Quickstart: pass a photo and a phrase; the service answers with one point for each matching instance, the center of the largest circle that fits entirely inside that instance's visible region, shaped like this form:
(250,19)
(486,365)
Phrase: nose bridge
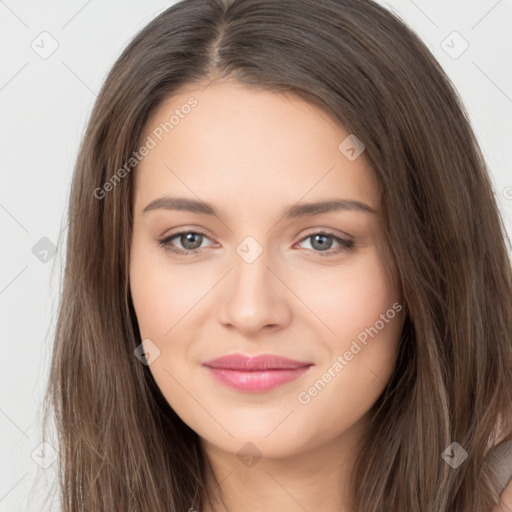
(254,297)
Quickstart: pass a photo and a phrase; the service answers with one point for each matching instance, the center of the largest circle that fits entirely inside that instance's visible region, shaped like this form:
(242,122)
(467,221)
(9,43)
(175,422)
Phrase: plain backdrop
(54,57)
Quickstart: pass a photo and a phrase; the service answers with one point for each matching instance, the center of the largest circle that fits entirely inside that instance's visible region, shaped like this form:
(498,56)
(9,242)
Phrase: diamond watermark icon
(147,352)
(44,250)
(454,45)
(45,45)
(249,249)
(249,455)
(351,147)
(454,455)
(44,455)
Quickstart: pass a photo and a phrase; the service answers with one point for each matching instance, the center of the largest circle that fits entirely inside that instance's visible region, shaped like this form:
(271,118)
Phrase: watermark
(147,352)
(249,455)
(249,249)
(45,45)
(454,45)
(304,397)
(44,250)
(351,147)
(454,455)
(44,455)
(150,143)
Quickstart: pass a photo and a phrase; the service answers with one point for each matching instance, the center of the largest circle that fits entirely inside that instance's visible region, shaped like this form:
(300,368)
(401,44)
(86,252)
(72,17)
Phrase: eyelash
(346,245)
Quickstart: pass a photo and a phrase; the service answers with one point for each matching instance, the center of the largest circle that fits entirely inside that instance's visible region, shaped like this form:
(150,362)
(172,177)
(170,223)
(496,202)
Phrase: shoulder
(500,460)
(505,500)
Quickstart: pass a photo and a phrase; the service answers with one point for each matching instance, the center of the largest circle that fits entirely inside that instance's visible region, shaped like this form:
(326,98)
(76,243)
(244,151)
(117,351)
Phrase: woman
(337,335)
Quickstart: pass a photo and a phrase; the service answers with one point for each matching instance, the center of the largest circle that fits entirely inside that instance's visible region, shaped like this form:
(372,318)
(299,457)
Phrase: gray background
(45,103)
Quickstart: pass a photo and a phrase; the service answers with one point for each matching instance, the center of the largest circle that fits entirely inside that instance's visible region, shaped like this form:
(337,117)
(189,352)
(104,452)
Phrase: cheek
(161,297)
(350,298)
(364,317)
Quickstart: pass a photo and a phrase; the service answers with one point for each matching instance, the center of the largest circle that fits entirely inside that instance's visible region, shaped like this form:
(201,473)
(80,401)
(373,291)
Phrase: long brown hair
(121,445)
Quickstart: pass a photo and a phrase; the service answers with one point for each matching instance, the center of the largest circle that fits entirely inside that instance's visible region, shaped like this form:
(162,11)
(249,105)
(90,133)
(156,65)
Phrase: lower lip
(255,381)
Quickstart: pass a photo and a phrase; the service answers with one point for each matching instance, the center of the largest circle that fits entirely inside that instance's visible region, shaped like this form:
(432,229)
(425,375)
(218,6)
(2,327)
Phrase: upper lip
(242,362)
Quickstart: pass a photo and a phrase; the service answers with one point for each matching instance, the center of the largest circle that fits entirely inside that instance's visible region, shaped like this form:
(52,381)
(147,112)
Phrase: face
(240,265)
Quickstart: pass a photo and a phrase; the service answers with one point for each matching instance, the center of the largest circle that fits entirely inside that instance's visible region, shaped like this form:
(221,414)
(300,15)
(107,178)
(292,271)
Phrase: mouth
(256,374)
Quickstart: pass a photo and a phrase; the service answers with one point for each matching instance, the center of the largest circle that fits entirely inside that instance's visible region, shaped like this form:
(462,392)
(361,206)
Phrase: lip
(255,374)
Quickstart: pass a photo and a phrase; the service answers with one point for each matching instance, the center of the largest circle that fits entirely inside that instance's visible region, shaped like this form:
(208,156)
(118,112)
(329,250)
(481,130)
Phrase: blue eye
(319,237)
(185,237)
(191,242)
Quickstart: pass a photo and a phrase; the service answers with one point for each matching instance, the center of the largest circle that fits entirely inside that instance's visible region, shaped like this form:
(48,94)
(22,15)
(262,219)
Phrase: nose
(254,297)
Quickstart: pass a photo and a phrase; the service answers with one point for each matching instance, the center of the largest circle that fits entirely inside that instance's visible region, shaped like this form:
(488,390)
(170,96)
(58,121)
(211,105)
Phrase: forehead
(249,147)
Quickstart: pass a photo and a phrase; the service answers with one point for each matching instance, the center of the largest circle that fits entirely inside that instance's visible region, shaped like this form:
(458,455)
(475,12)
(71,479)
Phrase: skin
(252,153)
(505,504)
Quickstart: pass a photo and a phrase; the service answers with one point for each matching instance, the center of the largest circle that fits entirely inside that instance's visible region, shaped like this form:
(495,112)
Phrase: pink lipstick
(255,374)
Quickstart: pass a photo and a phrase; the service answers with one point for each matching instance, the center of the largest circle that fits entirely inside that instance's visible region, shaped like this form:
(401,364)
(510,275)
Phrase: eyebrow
(294,211)
(330,205)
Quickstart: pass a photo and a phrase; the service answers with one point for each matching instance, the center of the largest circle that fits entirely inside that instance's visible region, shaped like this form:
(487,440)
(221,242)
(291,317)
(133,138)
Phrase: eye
(323,241)
(191,242)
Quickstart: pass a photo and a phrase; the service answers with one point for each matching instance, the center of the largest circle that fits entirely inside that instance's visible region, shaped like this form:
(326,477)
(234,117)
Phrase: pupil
(323,245)
(189,238)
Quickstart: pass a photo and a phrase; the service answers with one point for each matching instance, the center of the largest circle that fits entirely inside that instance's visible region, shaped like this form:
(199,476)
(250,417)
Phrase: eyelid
(309,232)
(346,244)
(327,231)
(184,230)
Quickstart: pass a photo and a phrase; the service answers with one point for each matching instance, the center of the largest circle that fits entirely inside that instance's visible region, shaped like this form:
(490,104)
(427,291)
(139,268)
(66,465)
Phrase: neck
(316,479)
